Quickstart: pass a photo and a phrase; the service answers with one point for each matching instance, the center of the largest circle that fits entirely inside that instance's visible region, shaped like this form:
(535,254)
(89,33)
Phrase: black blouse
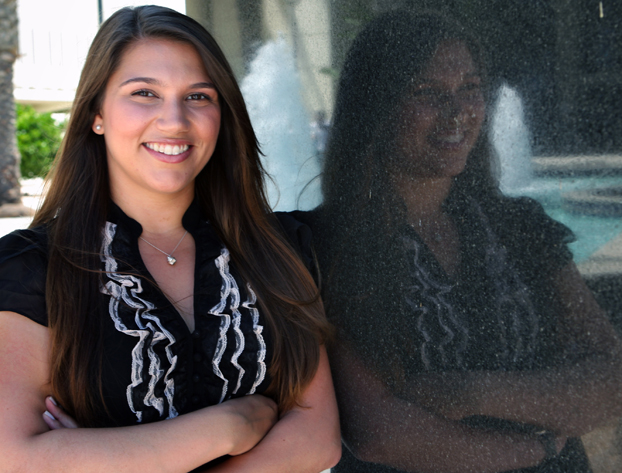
(153,367)
(497,313)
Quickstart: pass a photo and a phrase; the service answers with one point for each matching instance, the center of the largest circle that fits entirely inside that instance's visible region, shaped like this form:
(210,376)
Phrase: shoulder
(24,248)
(23,270)
(315,220)
(523,225)
(528,215)
(517,208)
(23,241)
(299,235)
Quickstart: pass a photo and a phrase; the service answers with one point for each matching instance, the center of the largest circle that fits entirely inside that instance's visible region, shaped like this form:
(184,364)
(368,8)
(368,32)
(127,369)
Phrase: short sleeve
(536,239)
(23,270)
(300,237)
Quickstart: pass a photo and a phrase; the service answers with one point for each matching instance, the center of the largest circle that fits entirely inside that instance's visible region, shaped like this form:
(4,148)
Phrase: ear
(98,125)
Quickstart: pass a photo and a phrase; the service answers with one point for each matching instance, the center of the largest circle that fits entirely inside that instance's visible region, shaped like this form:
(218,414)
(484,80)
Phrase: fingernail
(53,400)
(47,413)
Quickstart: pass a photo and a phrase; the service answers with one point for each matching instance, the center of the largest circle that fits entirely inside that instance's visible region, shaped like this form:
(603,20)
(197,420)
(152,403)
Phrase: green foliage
(38,139)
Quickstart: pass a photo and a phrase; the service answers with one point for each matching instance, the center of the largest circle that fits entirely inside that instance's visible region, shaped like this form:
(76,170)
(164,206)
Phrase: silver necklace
(437,237)
(169,256)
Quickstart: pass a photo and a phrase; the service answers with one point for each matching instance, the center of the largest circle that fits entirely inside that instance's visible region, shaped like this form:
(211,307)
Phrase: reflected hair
(390,53)
(380,67)
(230,191)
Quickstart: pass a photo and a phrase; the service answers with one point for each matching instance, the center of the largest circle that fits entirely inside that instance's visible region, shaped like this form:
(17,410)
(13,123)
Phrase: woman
(155,294)
(467,339)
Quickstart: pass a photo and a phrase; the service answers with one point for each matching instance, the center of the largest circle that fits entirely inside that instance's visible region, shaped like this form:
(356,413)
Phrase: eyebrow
(150,80)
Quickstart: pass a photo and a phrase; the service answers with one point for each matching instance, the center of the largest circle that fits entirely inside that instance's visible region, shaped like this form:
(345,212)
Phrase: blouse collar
(192,219)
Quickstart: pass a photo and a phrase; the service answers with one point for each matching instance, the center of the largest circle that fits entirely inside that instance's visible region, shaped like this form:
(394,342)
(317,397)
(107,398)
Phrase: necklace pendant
(171,260)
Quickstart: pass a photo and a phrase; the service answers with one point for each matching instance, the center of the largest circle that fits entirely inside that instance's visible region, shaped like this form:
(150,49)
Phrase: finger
(59,414)
(51,421)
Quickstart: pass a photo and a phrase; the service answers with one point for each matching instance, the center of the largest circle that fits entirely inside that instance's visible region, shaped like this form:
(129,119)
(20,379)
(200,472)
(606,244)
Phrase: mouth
(168,149)
(450,139)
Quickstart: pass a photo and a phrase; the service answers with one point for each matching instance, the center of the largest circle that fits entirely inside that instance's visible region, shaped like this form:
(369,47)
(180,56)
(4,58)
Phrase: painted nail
(47,413)
(53,401)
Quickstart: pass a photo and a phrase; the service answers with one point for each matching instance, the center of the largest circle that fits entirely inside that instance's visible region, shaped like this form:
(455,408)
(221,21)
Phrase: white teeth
(451,138)
(171,150)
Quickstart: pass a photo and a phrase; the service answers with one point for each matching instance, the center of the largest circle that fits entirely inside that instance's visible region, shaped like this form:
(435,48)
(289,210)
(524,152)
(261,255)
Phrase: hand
(256,414)
(55,417)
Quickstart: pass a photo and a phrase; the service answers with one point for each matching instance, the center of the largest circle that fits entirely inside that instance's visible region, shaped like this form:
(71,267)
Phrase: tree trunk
(10,193)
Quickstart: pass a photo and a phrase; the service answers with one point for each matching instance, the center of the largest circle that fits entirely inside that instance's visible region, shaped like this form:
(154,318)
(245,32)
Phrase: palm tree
(10,193)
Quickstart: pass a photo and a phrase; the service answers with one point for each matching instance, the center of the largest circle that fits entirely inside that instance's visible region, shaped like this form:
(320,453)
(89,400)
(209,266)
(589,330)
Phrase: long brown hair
(362,215)
(230,191)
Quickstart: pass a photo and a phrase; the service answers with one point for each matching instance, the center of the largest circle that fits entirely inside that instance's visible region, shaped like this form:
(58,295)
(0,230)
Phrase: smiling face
(160,119)
(441,118)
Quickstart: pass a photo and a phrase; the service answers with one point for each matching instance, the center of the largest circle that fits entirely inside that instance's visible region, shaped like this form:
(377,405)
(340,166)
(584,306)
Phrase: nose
(173,117)
(455,108)
(452,105)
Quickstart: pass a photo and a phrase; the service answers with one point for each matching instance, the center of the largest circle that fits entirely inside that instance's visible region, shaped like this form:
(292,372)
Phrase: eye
(429,96)
(426,92)
(143,93)
(471,91)
(200,96)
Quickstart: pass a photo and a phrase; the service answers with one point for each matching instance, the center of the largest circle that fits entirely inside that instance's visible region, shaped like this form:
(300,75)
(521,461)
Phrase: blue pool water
(591,232)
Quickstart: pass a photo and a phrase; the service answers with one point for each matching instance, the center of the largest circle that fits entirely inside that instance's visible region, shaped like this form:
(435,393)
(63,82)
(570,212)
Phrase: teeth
(167,149)
(451,138)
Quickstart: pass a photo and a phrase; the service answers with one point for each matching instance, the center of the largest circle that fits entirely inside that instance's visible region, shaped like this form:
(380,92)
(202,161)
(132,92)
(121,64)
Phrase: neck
(159,215)
(423,197)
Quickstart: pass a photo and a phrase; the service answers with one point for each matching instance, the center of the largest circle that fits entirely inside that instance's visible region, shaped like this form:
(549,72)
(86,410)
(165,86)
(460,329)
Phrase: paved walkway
(606,261)
(31,195)
(7,225)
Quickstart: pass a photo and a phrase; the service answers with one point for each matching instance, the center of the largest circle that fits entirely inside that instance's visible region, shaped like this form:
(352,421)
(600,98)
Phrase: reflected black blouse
(497,314)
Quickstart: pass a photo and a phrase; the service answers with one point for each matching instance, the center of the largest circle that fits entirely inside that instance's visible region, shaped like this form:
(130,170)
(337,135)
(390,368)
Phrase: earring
(98,127)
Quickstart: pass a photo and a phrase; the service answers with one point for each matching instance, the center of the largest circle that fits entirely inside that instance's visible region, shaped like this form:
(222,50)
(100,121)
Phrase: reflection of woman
(170,287)
(468,340)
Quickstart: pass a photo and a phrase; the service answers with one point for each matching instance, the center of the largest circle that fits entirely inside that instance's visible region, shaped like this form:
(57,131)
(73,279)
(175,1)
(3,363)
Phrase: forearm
(570,400)
(179,444)
(572,397)
(305,439)
(289,446)
(382,428)
(176,445)
(587,389)
(408,437)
